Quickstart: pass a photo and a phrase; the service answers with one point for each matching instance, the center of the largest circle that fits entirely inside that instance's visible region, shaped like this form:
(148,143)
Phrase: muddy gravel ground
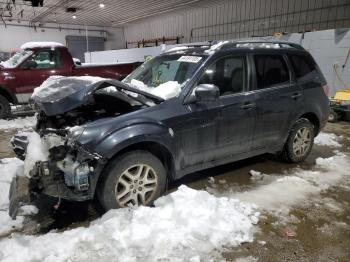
(318,230)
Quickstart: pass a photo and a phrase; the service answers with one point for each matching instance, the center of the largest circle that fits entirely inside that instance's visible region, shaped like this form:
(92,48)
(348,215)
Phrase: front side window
(46,59)
(271,70)
(228,74)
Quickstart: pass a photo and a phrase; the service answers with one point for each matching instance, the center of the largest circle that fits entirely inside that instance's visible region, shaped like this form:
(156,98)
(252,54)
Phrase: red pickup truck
(30,67)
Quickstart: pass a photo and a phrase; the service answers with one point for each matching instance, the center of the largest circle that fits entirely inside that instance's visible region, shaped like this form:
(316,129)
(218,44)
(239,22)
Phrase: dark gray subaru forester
(191,108)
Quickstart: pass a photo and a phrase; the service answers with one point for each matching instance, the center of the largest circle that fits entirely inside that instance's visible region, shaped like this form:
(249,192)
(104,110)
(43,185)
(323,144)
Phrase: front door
(224,127)
(237,105)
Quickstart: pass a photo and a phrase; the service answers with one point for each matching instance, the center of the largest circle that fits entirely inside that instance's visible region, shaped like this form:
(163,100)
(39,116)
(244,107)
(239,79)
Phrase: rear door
(277,100)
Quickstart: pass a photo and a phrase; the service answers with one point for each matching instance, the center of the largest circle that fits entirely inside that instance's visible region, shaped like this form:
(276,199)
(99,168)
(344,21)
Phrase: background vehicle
(31,66)
(340,106)
(235,100)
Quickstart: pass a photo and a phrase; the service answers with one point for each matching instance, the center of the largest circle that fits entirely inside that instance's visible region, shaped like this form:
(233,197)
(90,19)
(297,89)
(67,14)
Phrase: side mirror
(207,92)
(30,64)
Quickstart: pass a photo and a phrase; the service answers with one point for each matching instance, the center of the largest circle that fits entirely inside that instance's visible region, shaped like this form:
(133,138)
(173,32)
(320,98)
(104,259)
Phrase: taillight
(326,89)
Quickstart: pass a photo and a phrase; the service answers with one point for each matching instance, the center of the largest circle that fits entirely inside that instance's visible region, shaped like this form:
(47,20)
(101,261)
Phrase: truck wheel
(133,179)
(5,108)
(299,142)
(333,116)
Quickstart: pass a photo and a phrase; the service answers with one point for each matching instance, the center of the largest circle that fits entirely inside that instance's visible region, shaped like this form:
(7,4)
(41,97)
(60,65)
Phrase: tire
(123,184)
(5,108)
(299,142)
(333,117)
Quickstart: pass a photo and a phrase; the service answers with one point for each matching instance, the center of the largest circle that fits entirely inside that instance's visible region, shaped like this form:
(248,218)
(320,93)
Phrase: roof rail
(280,43)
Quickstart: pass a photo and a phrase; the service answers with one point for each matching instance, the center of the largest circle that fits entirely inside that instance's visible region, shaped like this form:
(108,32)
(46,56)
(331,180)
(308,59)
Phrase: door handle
(248,105)
(296,95)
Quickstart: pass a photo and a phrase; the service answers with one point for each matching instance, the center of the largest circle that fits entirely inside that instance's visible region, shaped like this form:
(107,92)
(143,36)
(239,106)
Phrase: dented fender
(133,134)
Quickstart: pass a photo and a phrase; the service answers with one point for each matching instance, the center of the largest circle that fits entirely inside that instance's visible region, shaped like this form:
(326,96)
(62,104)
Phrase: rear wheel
(133,179)
(299,142)
(333,116)
(5,108)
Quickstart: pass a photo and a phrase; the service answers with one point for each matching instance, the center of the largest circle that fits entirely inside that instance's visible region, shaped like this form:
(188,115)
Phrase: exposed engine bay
(56,164)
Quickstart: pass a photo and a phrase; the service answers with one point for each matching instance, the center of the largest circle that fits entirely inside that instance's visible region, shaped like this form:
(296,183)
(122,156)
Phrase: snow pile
(178,48)
(25,122)
(63,85)
(31,45)
(187,224)
(37,150)
(9,168)
(256,175)
(286,191)
(327,139)
(166,90)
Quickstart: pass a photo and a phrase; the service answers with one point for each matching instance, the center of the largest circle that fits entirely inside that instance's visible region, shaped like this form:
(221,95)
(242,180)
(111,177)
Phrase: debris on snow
(327,139)
(211,180)
(288,232)
(256,175)
(222,181)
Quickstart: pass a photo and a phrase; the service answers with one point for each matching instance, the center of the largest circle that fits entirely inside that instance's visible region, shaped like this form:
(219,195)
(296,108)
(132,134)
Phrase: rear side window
(303,66)
(271,70)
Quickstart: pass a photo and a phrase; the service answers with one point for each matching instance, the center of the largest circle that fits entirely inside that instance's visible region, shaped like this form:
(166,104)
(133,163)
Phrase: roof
(33,45)
(258,43)
(201,49)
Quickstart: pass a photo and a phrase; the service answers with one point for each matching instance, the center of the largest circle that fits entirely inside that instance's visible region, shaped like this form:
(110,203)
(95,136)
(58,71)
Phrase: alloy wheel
(136,185)
(302,142)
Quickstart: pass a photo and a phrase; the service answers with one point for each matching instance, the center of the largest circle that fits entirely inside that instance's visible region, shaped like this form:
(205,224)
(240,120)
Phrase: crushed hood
(60,94)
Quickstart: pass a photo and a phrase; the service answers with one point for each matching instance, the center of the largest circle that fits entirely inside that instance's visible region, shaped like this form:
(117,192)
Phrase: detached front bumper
(19,194)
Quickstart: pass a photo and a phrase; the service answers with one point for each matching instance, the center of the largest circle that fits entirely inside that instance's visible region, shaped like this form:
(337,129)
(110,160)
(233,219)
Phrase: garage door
(77,45)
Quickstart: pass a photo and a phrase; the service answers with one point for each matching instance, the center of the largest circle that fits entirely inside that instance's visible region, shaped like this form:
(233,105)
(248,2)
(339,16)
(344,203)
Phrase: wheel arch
(314,120)
(157,149)
(8,95)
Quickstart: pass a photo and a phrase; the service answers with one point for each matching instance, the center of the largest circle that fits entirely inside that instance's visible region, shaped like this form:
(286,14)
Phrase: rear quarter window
(303,66)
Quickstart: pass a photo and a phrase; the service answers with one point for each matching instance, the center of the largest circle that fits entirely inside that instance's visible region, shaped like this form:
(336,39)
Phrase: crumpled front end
(70,172)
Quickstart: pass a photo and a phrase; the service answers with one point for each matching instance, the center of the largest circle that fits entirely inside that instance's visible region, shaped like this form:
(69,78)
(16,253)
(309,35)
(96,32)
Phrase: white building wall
(12,37)
(227,19)
(330,49)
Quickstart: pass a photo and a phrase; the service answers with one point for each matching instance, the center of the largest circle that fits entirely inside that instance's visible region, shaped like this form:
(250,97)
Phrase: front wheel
(133,179)
(299,142)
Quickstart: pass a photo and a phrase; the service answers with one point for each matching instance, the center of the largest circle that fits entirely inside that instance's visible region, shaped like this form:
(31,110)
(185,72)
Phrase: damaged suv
(191,108)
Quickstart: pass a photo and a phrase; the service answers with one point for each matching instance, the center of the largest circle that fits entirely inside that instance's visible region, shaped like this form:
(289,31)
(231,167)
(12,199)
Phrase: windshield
(164,75)
(16,59)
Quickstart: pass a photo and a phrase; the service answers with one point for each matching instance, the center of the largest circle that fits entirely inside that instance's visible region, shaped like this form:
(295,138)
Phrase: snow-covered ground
(186,225)
(327,139)
(18,123)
